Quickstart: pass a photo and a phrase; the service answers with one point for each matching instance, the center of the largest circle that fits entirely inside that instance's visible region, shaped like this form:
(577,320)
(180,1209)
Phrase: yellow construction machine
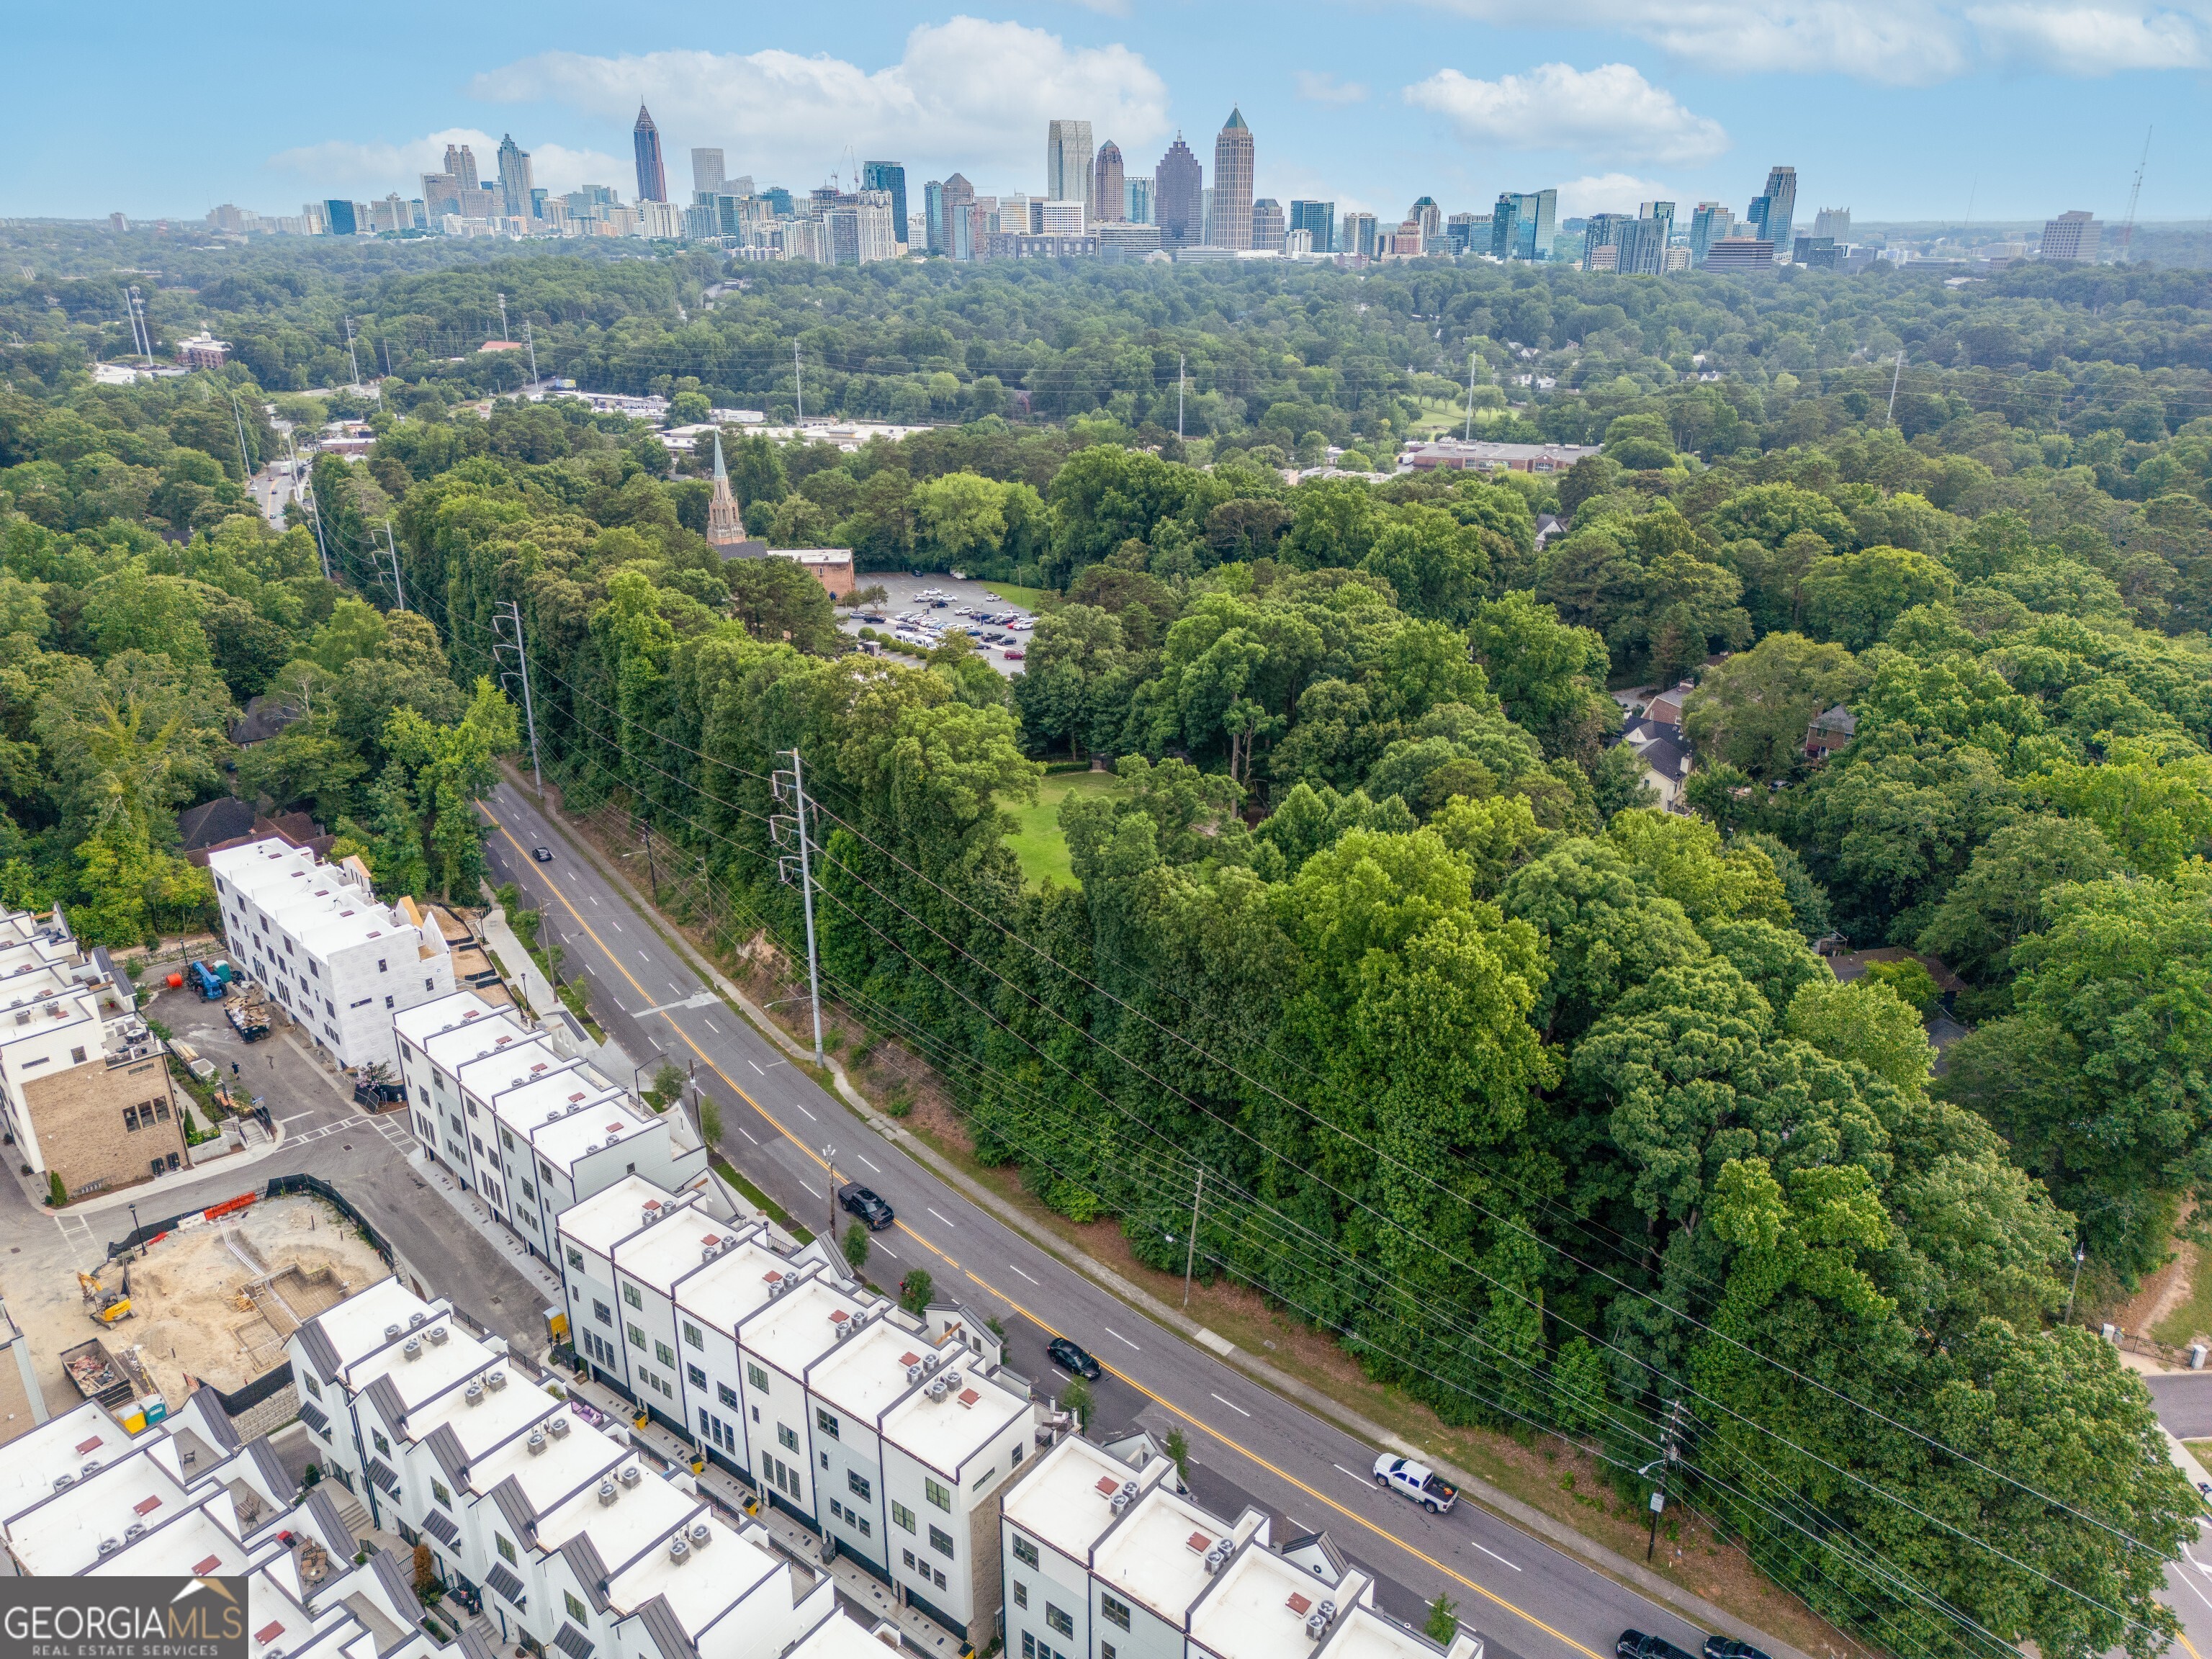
(107,1306)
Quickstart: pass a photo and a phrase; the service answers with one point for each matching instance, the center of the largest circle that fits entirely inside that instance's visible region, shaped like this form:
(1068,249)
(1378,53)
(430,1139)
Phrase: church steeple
(726,525)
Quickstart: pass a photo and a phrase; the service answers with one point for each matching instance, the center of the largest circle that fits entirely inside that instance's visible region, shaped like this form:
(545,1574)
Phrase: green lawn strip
(1036,840)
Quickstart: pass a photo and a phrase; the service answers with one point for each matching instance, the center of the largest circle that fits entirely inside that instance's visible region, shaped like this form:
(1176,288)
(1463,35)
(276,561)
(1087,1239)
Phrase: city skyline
(1459,107)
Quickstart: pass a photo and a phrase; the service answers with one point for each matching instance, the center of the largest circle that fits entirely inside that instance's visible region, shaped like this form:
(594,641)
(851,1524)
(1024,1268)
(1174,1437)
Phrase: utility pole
(314,510)
(399,584)
(1895,375)
(798,786)
(644,834)
(830,1163)
(1190,1246)
(245,466)
(352,356)
(1470,397)
(502,316)
(798,383)
(511,613)
(1181,378)
(530,340)
(2080,1253)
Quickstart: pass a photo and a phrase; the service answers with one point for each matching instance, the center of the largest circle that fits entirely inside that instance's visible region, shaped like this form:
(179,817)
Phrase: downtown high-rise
(1178,201)
(1108,199)
(1232,226)
(652,176)
(1773,208)
(1068,164)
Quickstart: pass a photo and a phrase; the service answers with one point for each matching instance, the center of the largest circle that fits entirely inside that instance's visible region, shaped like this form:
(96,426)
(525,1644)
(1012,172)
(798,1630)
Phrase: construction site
(213,1302)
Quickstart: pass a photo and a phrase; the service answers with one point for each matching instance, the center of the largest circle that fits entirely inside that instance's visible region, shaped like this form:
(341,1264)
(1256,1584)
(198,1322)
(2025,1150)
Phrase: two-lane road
(1248,1444)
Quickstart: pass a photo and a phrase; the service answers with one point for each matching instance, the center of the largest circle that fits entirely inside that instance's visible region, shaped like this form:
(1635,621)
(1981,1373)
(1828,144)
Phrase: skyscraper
(514,179)
(1109,200)
(652,177)
(708,178)
(1359,234)
(1177,183)
(1522,224)
(1319,218)
(1137,193)
(1833,221)
(1268,225)
(1232,184)
(1068,164)
(1772,208)
(461,162)
(1710,224)
(889,177)
(932,215)
(2073,238)
(955,200)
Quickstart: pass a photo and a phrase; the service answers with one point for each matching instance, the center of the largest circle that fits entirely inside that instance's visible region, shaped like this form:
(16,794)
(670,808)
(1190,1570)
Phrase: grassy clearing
(1036,840)
(1030,599)
(2191,1317)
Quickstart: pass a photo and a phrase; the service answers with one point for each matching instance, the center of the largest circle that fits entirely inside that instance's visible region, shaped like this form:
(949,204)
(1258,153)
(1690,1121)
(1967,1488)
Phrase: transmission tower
(2127,227)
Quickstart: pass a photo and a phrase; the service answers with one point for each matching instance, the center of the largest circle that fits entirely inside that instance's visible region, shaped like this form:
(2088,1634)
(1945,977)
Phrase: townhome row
(556,1526)
(529,1128)
(1105,1559)
(892,1436)
(186,1499)
(84,1091)
(335,957)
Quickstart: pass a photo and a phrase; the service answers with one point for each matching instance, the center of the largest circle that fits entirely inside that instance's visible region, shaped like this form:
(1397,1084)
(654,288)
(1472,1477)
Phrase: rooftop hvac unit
(937,1387)
(474,1394)
(558,1428)
(495,1382)
(89,1467)
(930,1362)
(536,1442)
(63,1482)
(953,1379)
(701,1535)
(679,1551)
(914,1373)
(416,1320)
(1315,1623)
(1327,1610)
(393,1333)
(631,1475)
(1121,1498)
(109,1545)
(412,1347)
(1217,1556)
(608,1493)
(576,1106)
(134,1532)
(438,1334)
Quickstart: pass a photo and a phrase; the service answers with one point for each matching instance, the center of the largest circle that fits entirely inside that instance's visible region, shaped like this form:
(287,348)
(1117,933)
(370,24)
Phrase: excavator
(106,1306)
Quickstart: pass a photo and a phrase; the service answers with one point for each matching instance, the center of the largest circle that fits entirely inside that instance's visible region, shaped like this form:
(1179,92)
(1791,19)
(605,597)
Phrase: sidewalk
(866,1594)
(528,985)
(150,1195)
(440,1180)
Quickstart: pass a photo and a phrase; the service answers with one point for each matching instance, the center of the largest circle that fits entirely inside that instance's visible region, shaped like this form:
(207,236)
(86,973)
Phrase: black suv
(1071,1358)
(1635,1645)
(1726,1647)
(872,1211)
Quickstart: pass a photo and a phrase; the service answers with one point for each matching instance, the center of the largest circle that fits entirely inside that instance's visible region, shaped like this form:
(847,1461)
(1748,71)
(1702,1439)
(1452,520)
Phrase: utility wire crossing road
(1275,1454)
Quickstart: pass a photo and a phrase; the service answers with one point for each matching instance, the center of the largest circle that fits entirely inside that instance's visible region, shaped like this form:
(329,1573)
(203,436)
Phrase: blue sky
(1895,108)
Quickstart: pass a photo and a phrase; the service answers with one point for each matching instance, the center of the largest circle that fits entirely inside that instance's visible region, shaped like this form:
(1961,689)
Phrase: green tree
(1999,900)
(1550,677)
(1865,1021)
(855,1248)
(1852,598)
(1442,1626)
(781,599)
(1752,710)
(1076,1400)
(914,1290)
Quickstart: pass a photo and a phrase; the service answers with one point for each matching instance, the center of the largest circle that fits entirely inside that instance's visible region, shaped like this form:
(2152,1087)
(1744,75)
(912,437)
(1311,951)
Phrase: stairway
(485,1629)
(349,1511)
(250,1134)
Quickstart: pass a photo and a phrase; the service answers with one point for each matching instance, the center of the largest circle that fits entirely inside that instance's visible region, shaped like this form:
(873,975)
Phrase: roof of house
(225,818)
(1838,718)
(265,716)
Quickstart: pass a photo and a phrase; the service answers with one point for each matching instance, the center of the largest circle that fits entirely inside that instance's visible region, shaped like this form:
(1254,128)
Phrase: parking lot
(918,596)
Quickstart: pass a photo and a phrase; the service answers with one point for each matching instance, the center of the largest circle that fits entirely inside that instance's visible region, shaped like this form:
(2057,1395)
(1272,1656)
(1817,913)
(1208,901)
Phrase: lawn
(1036,840)
(1029,599)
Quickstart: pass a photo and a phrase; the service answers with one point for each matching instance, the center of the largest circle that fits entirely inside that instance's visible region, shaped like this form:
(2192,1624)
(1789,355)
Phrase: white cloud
(1607,113)
(1321,88)
(965,93)
(340,166)
(1612,192)
(2090,40)
(1897,42)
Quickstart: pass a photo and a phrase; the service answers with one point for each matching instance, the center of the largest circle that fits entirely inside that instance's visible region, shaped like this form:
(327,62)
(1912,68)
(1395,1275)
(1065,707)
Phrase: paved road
(1249,1445)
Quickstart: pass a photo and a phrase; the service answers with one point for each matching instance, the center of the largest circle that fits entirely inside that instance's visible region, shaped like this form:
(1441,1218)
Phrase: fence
(282,1186)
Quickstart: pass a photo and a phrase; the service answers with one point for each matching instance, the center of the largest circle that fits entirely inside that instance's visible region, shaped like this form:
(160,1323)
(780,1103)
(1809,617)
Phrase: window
(505,1549)
(1058,1620)
(1029,1645)
(631,1296)
(663,1353)
(1105,1650)
(826,1460)
(697,1374)
(693,1337)
(903,1517)
(937,1494)
(826,1422)
(859,1486)
(507,1140)
(1021,1594)
(727,1395)
(937,1578)
(438,1491)
(940,1541)
(77,1056)
(1017,1463)
(637,1338)
(130,1119)
(382,968)
(314,1388)
(603,1313)
(786,1438)
(383,1445)
(1025,1550)
(1114,1610)
(576,1607)
(909,1557)
(387,1002)
(160,1111)
(575,1256)
(429,985)
(756,1377)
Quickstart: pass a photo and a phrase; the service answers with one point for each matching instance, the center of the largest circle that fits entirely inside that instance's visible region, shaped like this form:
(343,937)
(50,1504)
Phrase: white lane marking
(887,1250)
(1039,1284)
(804,1109)
(1118,1337)
(642,957)
(946,1219)
(715,1029)
(296,1116)
(1233,1406)
(1339,1468)
(741,1130)
(773,1064)
(877,1168)
(1495,1556)
(755,1066)
(595,898)
(618,927)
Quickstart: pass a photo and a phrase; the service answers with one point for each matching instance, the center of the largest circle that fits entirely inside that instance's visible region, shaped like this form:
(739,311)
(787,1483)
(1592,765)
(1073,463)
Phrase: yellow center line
(1242,1451)
(2187,1642)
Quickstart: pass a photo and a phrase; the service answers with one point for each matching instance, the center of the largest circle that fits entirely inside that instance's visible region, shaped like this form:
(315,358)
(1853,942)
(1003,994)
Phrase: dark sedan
(1635,1645)
(1071,1358)
(1726,1647)
(874,1213)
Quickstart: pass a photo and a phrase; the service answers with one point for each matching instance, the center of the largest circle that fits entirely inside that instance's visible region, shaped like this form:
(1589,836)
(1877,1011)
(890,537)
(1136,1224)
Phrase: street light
(2080,1251)
(829,1163)
(134,1232)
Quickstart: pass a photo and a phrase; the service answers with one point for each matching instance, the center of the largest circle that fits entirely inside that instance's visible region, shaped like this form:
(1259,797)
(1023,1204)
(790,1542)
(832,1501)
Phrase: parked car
(1016,656)
(1635,1645)
(1416,1482)
(1726,1647)
(542,854)
(1071,1358)
(874,1213)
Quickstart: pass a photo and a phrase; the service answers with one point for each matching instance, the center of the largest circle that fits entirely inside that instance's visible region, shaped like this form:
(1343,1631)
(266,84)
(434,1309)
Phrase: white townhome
(184,1499)
(1108,1561)
(530,1128)
(337,959)
(561,1530)
(893,1436)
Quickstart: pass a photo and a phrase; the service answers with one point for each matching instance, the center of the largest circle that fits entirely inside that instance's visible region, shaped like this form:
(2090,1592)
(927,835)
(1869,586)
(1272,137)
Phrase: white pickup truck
(1416,1482)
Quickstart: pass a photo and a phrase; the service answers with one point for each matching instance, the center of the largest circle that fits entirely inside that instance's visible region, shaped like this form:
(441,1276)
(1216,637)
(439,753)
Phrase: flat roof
(839,1637)
(1060,1501)
(435,1367)
(797,1328)
(66,1537)
(551,1096)
(710,1579)
(426,1020)
(60,1445)
(1155,1556)
(599,1123)
(641,1515)
(1363,1633)
(1249,1614)
(945,1433)
(181,1548)
(614,1213)
(734,1284)
(499,1412)
(668,1249)
(864,1373)
(355,1327)
(548,1477)
(488,1058)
